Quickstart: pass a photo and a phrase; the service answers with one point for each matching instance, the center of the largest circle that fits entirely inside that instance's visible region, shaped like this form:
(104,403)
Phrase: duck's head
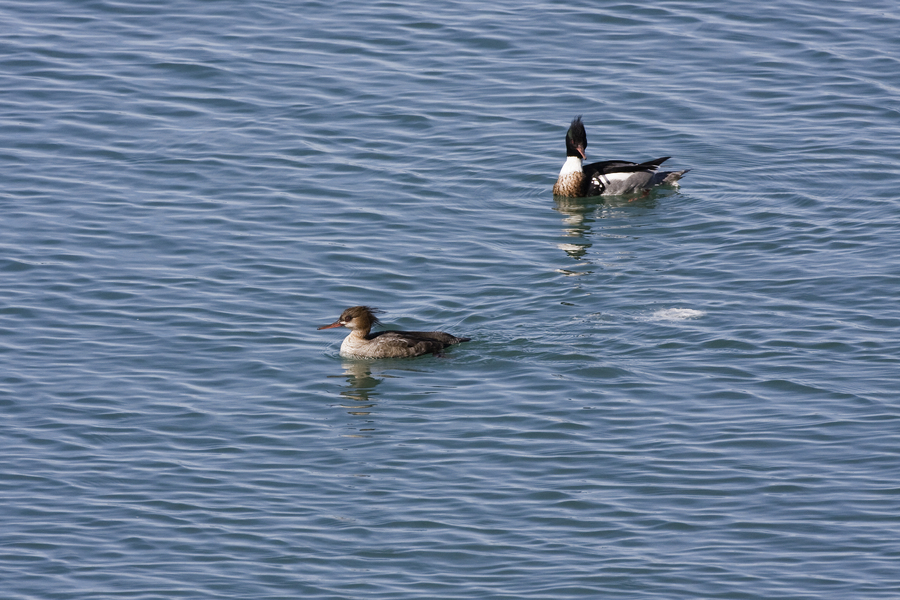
(576,139)
(356,317)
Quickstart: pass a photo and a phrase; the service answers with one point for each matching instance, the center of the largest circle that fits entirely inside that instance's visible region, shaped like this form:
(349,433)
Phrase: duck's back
(398,344)
(614,177)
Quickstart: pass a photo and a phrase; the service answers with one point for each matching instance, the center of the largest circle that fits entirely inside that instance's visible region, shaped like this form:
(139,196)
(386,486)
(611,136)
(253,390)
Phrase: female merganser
(386,344)
(607,178)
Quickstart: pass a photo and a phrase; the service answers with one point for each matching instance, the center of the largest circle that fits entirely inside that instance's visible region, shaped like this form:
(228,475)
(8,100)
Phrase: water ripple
(685,394)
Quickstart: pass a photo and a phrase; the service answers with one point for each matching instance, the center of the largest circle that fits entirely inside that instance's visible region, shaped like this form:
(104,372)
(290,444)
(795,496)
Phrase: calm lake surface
(693,393)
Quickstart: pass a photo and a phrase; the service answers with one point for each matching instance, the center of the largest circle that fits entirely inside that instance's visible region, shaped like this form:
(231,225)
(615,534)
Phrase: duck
(360,343)
(607,178)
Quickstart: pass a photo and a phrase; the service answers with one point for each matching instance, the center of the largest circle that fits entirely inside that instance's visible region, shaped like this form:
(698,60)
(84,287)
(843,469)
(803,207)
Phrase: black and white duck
(607,178)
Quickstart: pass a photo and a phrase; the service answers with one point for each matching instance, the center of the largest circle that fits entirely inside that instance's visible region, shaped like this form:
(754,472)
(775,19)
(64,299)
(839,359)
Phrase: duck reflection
(360,384)
(580,215)
(577,219)
(360,395)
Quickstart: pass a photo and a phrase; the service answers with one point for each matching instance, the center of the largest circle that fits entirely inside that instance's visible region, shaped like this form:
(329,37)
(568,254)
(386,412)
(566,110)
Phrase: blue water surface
(691,393)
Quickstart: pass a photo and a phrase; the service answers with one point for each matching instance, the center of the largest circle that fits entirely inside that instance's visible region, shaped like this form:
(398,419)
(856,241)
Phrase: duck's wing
(414,343)
(618,176)
(623,166)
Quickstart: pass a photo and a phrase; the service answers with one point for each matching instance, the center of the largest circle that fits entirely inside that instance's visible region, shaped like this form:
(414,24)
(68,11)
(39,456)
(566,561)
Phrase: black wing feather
(622,166)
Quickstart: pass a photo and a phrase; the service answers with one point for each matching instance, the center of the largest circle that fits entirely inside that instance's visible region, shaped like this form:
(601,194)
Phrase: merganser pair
(386,344)
(611,177)
(607,178)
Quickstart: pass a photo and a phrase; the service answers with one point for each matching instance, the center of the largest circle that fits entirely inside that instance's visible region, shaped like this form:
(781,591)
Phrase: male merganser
(607,178)
(386,344)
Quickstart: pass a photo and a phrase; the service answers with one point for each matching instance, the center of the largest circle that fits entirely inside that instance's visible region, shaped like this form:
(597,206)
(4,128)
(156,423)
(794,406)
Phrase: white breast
(572,165)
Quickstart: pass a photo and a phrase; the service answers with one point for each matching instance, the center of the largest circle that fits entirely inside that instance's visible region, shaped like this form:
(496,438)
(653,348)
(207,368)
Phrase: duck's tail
(669,177)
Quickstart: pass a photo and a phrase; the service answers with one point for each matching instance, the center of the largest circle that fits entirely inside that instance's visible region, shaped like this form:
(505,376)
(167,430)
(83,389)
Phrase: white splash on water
(675,314)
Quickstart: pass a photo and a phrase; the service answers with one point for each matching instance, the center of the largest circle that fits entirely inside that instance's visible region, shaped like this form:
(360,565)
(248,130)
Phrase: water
(690,394)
